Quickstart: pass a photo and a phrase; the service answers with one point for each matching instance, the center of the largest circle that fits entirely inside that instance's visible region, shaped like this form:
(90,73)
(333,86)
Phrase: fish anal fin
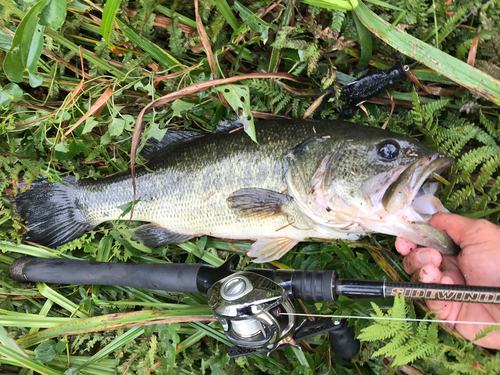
(269,249)
(257,203)
(153,235)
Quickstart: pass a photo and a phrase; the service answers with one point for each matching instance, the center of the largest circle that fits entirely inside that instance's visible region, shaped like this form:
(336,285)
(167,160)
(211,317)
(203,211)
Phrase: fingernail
(424,257)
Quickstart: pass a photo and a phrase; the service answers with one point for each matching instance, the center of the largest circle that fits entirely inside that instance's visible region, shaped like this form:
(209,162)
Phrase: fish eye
(388,150)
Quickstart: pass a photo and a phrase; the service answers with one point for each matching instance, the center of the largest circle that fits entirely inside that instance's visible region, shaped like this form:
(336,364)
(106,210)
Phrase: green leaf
(108,18)
(53,14)
(62,147)
(180,106)
(169,339)
(127,207)
(238,98)
(344,253)
(5,40)
(216,364)
(10,92)
(154,131)
(26,48)
(61,346)
(256,24)
(45,352)
(116,127)
(90,123)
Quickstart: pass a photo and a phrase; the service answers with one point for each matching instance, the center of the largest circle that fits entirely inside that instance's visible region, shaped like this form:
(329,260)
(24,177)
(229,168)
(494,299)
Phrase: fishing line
(398,319)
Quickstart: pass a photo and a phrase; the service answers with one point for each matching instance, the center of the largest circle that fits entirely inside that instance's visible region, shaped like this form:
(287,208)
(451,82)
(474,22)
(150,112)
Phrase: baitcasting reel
(257,316)
(249,307)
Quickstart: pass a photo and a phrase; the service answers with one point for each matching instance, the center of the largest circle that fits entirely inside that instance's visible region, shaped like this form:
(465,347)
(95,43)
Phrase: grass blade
(26,362)
(152,49)
(115,321)
(117,343)
(365,40)
(228,14)
(456,70)
(108,18)
(55,297)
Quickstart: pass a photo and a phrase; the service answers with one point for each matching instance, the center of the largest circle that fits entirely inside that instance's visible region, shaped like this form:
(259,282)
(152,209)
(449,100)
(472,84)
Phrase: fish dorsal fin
(171,139)
(227,126)
(174,138)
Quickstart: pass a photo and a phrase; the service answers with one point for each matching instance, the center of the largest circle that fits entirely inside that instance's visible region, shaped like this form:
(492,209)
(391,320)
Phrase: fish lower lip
(401,193)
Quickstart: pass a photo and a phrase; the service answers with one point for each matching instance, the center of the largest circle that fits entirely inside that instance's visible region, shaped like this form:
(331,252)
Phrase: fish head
(368,182)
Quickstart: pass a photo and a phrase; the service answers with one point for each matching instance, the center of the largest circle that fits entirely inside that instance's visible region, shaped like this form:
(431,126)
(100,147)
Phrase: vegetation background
(77,77)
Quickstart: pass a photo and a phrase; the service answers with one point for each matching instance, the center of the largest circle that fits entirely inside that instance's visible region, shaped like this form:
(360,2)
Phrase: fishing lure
(368,86)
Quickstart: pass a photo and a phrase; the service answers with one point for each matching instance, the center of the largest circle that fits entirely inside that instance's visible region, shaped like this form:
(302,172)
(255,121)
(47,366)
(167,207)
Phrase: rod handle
(181,278)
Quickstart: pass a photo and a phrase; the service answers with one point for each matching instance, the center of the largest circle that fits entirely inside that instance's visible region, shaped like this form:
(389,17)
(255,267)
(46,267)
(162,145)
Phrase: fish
(302,180)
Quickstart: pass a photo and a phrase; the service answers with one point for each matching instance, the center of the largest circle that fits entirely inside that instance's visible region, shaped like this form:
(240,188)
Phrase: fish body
(302,180)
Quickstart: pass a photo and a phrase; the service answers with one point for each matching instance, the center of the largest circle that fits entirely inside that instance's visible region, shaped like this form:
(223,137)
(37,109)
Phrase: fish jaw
(400,194)
(403,214)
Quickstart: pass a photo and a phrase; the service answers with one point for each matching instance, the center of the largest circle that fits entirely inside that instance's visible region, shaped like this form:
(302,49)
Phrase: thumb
(455,226)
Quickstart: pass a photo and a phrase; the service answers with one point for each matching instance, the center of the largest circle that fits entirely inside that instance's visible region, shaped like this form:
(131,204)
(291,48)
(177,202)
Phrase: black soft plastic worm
(368,86)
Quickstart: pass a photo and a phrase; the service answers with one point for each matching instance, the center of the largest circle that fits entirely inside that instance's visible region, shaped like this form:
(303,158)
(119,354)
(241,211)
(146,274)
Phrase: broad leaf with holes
(238,98)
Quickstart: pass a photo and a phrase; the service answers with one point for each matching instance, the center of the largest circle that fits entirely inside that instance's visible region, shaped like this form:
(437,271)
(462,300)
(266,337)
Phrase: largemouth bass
(304,180)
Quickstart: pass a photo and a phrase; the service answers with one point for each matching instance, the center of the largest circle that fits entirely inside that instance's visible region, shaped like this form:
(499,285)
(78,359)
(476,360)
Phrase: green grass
(73,329)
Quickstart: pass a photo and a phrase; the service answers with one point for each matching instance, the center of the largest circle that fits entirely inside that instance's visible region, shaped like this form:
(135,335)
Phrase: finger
(404,247)
(444,309)
(419,258)
(455,226)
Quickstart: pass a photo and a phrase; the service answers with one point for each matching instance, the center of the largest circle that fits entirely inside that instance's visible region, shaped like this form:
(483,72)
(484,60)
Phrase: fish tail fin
(52,212)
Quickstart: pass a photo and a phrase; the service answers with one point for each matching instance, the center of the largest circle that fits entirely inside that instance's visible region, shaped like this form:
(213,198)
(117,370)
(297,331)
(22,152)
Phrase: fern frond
(487,170)
(454,146)
(480,202)
(492,130)
(451,23)
(338,17)
(312,63)
(458,197)
(419,352)
(469,161)
(431,109)
(282,103)
(394,346)
(495,189)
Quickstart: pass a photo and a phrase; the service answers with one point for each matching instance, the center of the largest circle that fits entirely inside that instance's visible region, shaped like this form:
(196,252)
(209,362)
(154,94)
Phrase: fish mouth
(402,192)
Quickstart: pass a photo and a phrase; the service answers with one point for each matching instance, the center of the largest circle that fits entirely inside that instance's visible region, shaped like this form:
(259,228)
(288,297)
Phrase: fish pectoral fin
(269,249)
(153,235)
(257,203)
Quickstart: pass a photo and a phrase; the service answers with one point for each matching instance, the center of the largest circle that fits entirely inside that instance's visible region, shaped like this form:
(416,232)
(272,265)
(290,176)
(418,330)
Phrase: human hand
(477,264)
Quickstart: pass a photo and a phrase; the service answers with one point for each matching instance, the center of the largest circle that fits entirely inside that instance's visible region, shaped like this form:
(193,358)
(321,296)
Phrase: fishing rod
(255,307)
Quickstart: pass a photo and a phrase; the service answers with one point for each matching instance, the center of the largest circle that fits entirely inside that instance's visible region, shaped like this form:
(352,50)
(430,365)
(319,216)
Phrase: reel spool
(249,307)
